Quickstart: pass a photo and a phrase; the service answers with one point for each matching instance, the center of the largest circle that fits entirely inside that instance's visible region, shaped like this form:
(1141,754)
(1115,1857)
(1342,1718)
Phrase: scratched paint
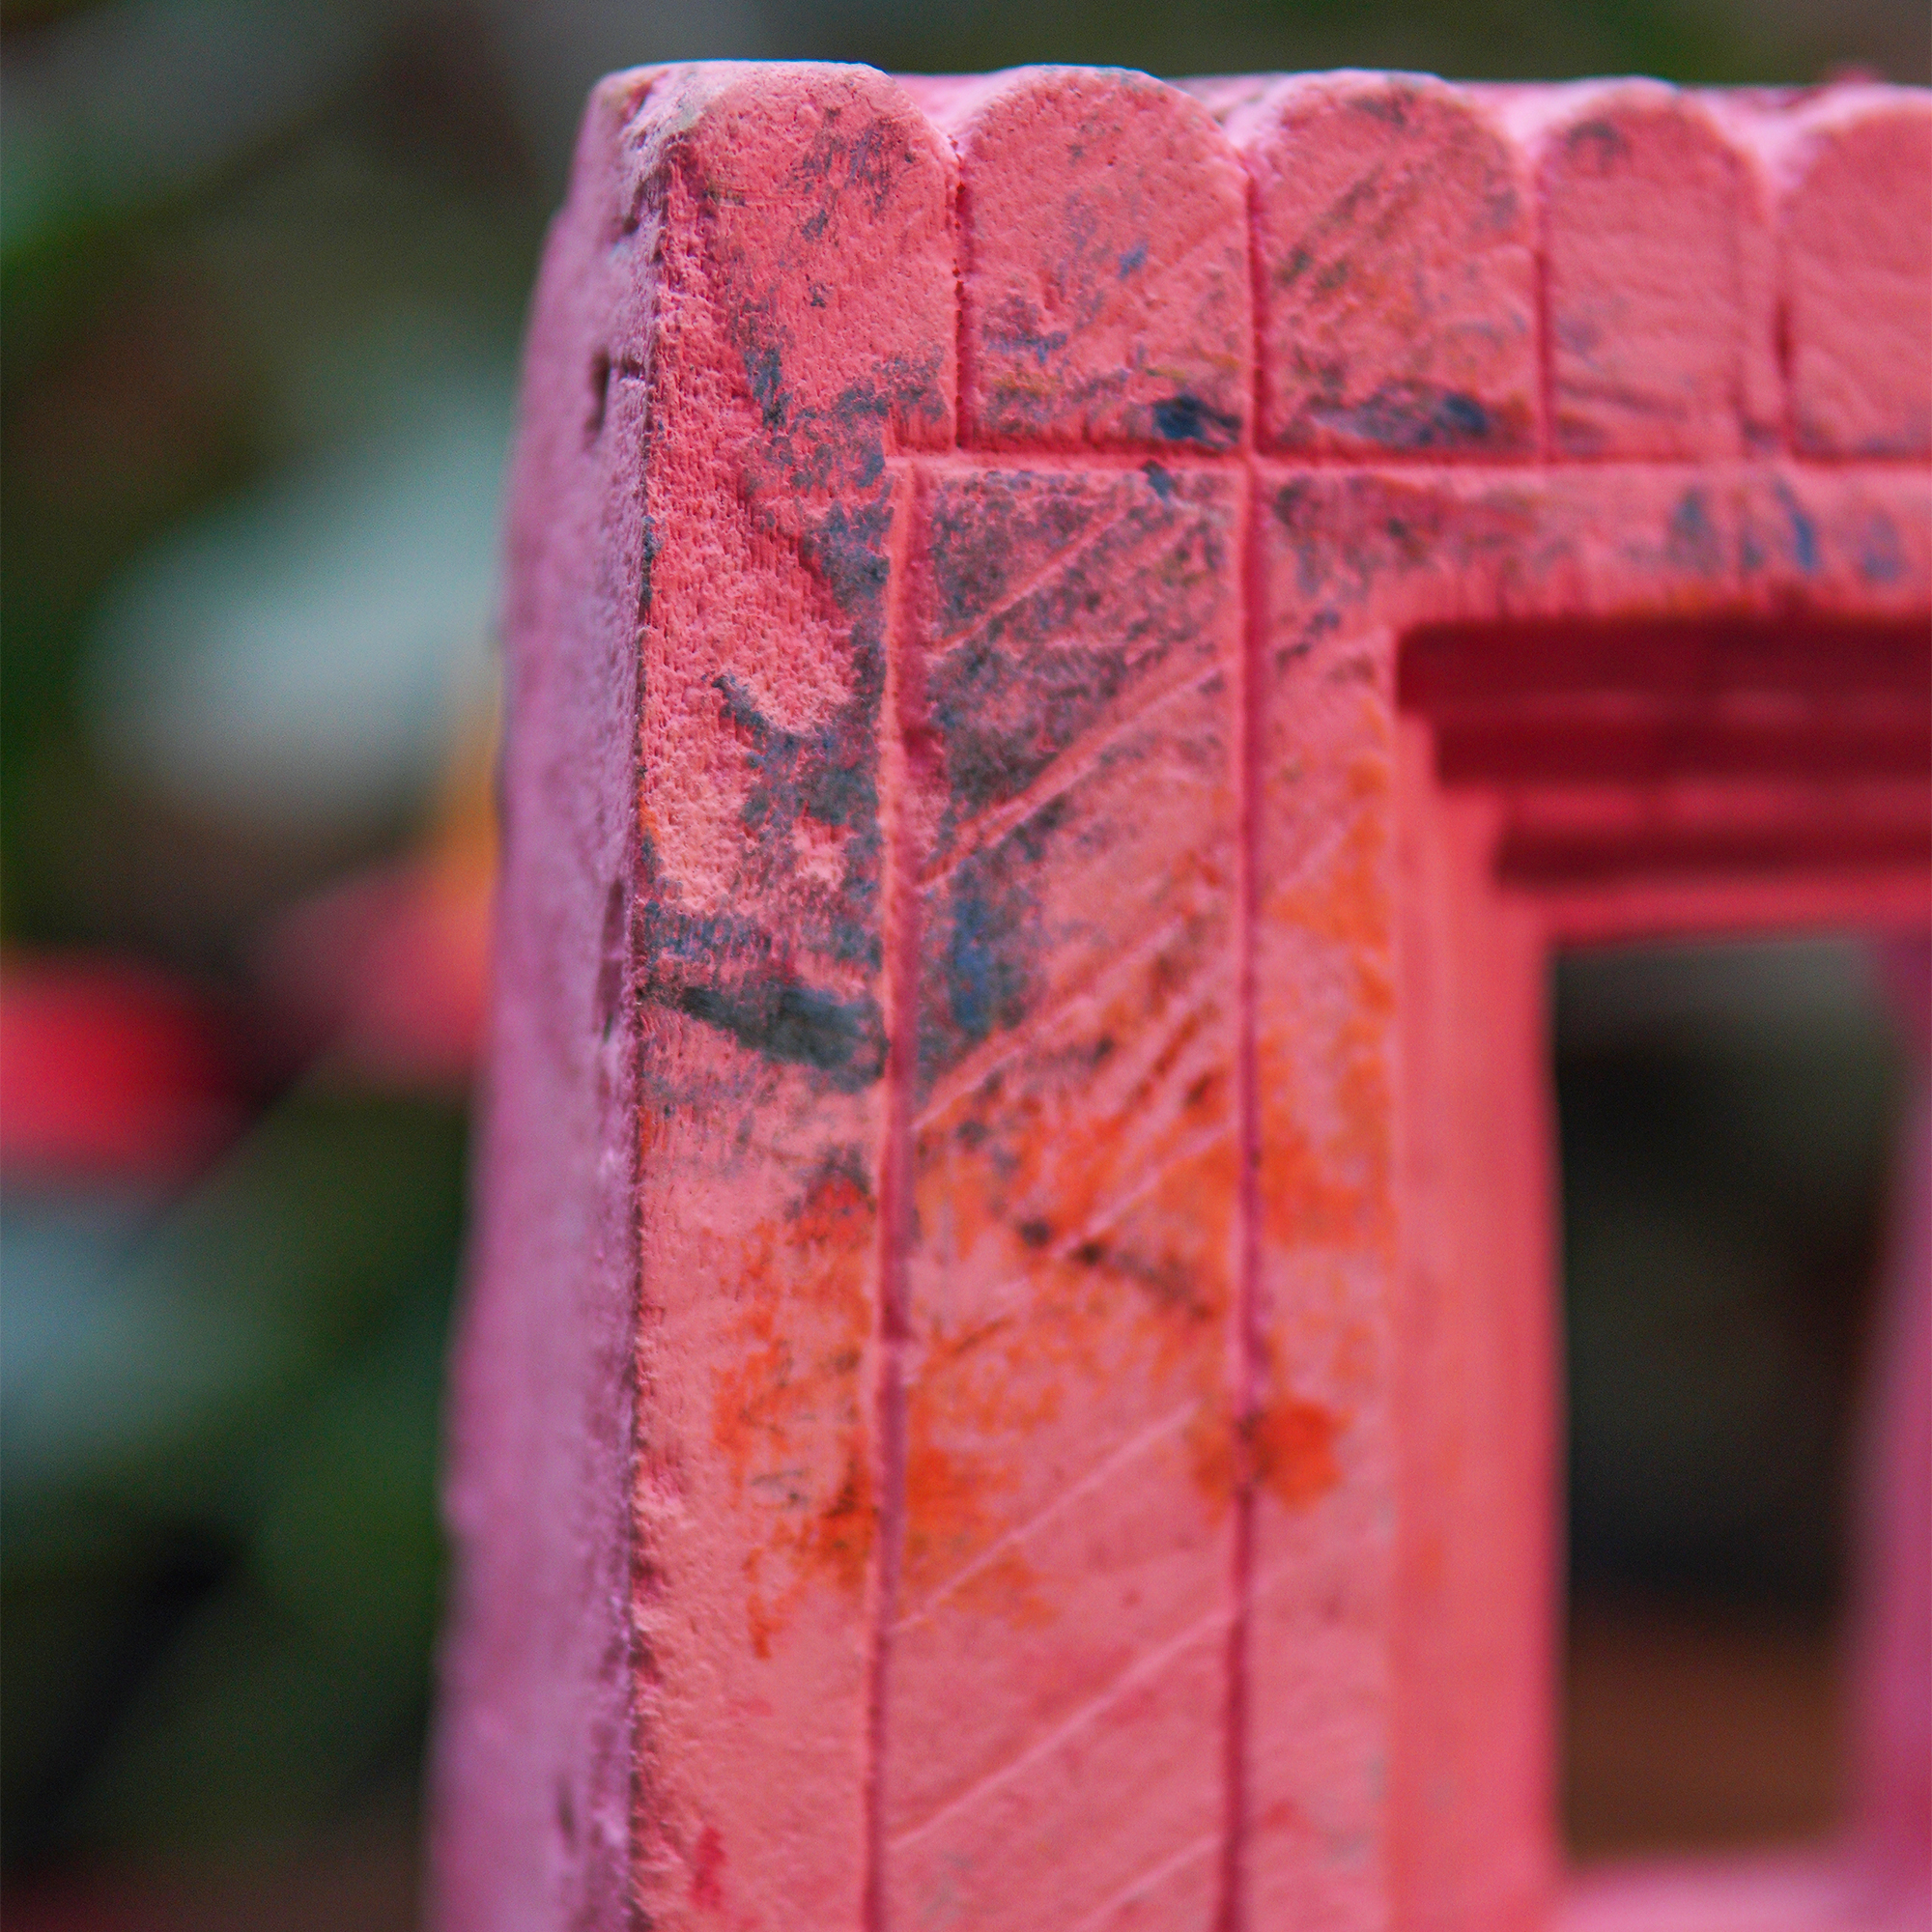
(1072,1277)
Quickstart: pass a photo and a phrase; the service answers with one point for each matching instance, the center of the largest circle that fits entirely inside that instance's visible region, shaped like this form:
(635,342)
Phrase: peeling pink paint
(1074,644)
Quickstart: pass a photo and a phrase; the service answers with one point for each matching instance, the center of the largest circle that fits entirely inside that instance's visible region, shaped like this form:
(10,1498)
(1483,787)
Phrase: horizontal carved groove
(1829,660)
(1670,750)
(1620,740)
(1533,856)
(1697,905)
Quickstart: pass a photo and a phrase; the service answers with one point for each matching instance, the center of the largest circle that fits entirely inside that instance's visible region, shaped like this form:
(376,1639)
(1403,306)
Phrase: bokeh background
(264,270)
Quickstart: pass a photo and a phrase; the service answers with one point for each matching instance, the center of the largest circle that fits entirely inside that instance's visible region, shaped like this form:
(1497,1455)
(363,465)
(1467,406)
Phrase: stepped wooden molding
(1073,645)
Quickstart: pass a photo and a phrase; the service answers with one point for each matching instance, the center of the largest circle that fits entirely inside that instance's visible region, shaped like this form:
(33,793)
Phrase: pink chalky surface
(1073,646)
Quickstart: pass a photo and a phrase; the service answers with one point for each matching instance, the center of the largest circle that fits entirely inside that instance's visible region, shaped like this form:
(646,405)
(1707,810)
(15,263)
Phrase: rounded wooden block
(1644,198)
(1855,228)
(1396,271)
(1104,263)
(809,203)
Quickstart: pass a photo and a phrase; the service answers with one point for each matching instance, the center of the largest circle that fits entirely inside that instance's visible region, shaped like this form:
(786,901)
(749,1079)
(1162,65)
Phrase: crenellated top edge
(1359,266)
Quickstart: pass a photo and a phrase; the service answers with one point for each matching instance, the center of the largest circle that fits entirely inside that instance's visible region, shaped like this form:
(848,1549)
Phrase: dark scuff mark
(1598,144)
(823,773)
(785,1020)
(1016,680)
(1693,542)
(979,535)
(979,979)
(1298,510)
(1803,531)
(1410,415)
(1880,556)
(763,371)
(1390,107)
(842,446)
(846,548)
(648,545)
(1016,328)
(1004,715)
(1347,532)
(1186,419)
(868,163)
(726,971)
(985,980)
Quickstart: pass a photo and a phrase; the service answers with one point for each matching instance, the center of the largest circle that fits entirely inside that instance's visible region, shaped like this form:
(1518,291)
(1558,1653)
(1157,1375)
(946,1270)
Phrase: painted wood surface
(1073,645)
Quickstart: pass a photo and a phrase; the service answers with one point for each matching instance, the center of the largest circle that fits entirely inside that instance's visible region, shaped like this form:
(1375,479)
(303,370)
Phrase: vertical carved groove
(1246,1337)
(1547,447)
(897,721)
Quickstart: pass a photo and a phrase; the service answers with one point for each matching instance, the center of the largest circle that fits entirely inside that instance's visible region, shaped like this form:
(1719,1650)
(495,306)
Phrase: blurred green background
(264,270)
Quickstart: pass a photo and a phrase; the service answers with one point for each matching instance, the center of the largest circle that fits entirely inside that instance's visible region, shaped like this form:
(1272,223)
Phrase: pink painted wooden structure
(1074,645)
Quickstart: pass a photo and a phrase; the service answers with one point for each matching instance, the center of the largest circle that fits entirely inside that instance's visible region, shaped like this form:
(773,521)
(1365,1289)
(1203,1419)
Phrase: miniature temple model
(1074,646)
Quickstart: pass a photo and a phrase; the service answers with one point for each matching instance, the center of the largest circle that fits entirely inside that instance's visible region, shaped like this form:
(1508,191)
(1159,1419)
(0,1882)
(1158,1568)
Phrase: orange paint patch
(1286,1448)
(1100,1300)
(1293,1446)
(949,1501)
(788,1410)
(1326,1162)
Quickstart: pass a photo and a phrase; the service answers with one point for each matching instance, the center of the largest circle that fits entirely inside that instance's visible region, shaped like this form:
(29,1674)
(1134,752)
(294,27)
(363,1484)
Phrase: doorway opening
(1726,1120)
(1631,840)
